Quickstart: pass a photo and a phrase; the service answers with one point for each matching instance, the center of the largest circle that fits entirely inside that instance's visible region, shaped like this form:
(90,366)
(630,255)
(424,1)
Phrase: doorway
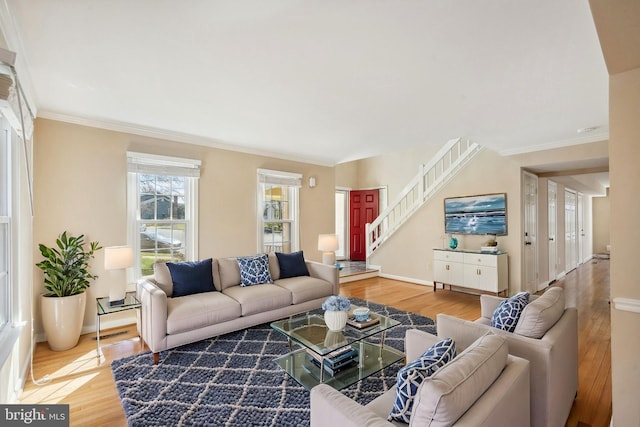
(342,222)
(363,209)
(570,230)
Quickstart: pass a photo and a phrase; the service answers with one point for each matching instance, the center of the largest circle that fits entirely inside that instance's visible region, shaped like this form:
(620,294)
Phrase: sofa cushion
(162,277)
(305,288)
(258,299)
(274,266)
(226,272)
(292,265)
(445,396)
(254,270)
(197,311)
(506,316)
(413,374)
(191,277)
(541,314)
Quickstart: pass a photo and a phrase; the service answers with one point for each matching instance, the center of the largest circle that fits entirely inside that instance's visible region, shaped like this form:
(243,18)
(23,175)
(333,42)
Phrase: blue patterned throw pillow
(254,270)
(508,312)
(412,375)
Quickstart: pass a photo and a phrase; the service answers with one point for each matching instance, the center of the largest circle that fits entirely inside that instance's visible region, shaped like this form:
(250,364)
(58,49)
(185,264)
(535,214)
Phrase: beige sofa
(553,356)
(166,322)
(482,386)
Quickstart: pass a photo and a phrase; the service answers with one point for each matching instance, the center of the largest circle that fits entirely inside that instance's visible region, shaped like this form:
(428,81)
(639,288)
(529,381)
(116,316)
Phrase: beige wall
(80,186)
(408,254)
(425,230)
(601,223)
(625,235)
(619,33)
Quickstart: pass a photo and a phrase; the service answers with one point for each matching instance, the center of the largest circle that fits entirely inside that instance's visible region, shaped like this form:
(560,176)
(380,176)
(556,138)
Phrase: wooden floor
(83,381)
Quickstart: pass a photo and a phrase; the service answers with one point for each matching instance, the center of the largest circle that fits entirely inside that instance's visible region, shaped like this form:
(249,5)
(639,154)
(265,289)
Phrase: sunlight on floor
(60,387)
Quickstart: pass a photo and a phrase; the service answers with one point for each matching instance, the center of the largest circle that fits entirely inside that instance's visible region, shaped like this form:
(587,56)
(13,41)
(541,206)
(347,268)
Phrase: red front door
(363,206)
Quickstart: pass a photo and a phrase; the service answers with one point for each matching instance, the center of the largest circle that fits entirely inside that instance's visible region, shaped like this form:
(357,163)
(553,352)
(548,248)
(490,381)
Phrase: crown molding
(603,136)
(157,133)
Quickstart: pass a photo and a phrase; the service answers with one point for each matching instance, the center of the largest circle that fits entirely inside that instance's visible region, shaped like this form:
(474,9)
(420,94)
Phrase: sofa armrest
(416,342)
(153,327)
(331,408)
(325,272)
(488,304)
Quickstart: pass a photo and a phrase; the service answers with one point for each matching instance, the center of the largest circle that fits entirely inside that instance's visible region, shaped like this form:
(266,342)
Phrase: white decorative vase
(335,320)
(62,319)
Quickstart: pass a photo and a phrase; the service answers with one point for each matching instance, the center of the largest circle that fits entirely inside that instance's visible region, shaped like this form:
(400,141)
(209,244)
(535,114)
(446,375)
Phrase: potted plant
(336,309)
(66,277)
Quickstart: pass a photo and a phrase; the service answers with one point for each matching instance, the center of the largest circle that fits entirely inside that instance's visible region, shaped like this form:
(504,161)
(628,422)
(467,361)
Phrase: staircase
(428,181)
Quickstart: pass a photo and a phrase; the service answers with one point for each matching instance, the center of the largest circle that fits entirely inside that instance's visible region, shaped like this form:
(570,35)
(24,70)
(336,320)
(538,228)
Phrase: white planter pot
(335,320)
(62,319)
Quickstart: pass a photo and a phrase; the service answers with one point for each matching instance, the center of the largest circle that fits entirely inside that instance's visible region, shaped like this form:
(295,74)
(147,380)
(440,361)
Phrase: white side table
(104,307)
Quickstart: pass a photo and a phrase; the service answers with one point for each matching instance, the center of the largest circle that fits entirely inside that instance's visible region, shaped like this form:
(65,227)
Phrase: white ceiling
(323,82)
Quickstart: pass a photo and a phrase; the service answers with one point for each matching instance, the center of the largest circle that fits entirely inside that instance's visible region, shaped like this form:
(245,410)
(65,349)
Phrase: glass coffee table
(312,345)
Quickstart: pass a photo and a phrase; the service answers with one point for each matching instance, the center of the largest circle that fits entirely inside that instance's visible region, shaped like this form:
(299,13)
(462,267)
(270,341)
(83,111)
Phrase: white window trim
(292,179)
(154,164)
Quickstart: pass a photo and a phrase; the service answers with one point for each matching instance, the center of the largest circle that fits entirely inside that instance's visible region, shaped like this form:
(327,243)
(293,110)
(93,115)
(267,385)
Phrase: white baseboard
(406,279)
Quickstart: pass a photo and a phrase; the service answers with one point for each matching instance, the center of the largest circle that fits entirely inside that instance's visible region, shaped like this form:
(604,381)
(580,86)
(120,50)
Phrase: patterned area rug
(232,380)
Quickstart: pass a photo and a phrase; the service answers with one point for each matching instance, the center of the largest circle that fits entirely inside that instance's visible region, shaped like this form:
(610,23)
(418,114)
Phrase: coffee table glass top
(313,337)
(310,331)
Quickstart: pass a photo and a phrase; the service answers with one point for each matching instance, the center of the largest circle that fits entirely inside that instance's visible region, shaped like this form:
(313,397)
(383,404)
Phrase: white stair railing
(429,179)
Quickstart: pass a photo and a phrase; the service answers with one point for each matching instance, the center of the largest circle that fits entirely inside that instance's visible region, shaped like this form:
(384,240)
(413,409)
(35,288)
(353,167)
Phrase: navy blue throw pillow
(292,265)
(191,277)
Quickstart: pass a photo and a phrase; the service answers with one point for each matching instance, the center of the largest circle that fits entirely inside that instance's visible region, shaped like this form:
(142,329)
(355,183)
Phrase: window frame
(6,245)
(292,182)
(152,164)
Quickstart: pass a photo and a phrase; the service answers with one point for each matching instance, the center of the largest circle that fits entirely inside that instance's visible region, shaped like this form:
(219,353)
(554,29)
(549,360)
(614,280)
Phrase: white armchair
(484,386)
(553,357)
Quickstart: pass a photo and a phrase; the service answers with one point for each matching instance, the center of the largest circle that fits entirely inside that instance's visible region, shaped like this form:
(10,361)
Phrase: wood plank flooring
(85,382)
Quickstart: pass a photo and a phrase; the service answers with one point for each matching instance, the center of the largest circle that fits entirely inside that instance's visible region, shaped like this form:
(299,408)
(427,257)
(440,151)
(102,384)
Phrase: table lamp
(117,259)
(328,244)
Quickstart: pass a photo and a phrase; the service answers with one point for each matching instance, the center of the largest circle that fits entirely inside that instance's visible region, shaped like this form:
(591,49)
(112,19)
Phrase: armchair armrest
(325,272)
(416,343)
(331,408)
(488,304)
(153,327)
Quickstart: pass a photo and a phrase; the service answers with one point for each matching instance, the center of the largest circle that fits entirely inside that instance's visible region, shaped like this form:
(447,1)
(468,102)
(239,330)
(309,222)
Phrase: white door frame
(580,228)
(530,232)
(570,232)
(552,203)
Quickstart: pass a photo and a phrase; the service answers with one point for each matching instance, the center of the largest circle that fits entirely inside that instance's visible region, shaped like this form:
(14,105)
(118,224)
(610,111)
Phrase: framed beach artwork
(482,214)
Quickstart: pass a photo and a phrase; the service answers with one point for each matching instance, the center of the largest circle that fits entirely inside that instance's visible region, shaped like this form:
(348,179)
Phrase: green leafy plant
(66,265)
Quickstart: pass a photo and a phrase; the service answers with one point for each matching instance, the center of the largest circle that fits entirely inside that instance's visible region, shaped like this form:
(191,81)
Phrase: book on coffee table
(364,324)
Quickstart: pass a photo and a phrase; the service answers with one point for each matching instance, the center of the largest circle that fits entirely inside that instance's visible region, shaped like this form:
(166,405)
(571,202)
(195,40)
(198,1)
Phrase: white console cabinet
(485,272)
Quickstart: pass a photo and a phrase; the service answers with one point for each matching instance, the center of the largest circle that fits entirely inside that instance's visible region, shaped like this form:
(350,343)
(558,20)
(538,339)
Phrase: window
(162,194)
(278,211)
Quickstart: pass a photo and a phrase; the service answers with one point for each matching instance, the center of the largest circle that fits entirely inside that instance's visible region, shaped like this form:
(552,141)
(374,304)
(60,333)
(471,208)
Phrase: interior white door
(580,228)
(570,249)
(530,220)
(552,228)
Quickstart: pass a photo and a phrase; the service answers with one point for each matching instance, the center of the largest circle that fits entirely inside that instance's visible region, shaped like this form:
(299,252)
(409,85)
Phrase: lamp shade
(328,242)
(118,257)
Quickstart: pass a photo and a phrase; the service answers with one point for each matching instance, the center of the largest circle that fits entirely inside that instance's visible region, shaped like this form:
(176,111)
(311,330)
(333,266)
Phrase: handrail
(424,185)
